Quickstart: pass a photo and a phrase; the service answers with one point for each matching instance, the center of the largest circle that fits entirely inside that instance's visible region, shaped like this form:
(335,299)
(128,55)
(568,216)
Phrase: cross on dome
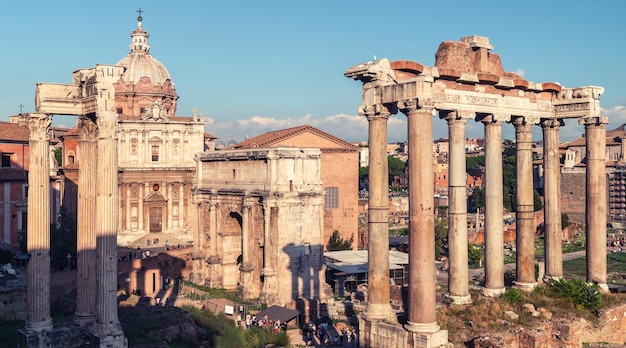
(140,37)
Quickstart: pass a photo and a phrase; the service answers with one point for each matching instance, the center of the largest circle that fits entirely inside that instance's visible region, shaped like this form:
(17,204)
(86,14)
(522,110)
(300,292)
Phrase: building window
(331,199)
(6,160)
(155,153)
(25,191)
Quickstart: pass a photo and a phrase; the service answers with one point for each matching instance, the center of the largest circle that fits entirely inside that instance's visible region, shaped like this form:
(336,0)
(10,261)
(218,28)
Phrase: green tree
(477,199)
(63,239)
(441,238)
(474,162)
(335,242)
(474,255)
(58,155)
(537,204)
(396,166)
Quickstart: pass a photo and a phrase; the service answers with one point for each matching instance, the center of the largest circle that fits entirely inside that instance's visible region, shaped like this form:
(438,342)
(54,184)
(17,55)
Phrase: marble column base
(604,287)
(458,299)
(380,312)
(493,292)
(431,339)
(84,319)
(34,327)
(528,287)
(422,327)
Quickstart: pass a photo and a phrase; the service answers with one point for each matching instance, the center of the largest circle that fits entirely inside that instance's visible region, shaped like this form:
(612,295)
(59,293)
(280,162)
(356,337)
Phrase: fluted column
(378,308)
(38,318)
(458,279)
(525,234)
(553,234)
(596,204)
(86,235)
(107,322)
(421,309)
(494,238)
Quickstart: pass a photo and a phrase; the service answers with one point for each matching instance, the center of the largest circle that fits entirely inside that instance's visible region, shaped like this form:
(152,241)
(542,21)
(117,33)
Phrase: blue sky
(255,66)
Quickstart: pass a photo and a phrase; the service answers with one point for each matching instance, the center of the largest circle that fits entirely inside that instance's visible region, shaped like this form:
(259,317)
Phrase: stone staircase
(147,241)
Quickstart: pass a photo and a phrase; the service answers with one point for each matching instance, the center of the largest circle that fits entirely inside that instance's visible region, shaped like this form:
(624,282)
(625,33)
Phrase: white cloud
(355,128)
(347,127)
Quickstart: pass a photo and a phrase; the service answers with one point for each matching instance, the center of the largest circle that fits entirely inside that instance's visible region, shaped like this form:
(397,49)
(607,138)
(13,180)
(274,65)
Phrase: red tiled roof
(13,132)
(271,138)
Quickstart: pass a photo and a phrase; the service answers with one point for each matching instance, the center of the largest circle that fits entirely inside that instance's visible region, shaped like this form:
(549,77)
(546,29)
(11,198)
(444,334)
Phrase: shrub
(514,296)
(577,291)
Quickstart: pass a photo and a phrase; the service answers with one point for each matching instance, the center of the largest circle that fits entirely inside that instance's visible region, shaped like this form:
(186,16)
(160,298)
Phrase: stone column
(270,284)
(494,238)
(108,327)
(458,279)
(38,318)
(421,309)
(378,307)
(127,213)
(524,216)
(170,206)
(245,267)
(141,195)
(553,235)
(596,204)
(181,207)
(86,235)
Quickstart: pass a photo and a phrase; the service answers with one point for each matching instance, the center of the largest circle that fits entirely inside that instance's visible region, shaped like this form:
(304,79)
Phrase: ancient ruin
(92,99)
(466,83)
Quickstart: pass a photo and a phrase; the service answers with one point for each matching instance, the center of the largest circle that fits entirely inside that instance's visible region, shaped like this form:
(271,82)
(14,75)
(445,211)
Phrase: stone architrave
(494,238)
(596,205)
(525,234)
(38,319)
(553,234)
(86,235)
(421,309)
(458,279)
(378,307)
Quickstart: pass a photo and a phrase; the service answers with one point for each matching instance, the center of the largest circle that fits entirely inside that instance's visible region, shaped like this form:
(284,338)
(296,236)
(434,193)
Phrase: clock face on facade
(155,187)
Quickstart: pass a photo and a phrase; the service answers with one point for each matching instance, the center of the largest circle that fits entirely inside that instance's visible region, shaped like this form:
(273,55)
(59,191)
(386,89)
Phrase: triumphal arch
(467,83)
(92,98)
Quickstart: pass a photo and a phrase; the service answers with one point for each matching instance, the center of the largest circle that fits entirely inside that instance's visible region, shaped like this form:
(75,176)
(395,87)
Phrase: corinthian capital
(86,129)
(107,124)
(593,121)
(377,110)
(551,123)
(39,126)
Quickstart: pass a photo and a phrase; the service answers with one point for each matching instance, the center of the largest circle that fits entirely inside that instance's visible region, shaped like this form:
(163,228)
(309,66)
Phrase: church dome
(140,63)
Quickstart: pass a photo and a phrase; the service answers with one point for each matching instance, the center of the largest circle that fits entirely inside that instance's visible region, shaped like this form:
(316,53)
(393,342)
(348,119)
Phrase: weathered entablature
(578,102)
(82,97)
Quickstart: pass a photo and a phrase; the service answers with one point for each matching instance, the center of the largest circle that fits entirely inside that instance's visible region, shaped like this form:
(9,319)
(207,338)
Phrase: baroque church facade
(155,148)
